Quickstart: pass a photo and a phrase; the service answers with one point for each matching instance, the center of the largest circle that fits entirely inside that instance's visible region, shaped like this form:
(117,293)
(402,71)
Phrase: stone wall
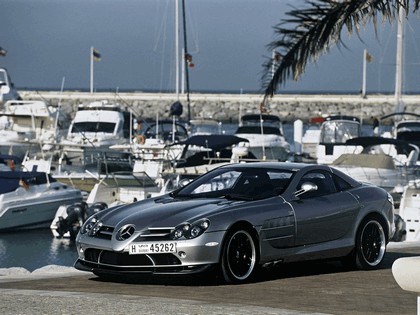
(229,107)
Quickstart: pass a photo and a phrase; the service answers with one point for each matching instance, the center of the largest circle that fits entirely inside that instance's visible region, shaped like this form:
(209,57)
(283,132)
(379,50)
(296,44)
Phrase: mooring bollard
(406,273)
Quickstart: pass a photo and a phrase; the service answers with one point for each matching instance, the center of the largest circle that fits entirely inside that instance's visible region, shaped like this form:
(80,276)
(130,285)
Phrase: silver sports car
(239,217)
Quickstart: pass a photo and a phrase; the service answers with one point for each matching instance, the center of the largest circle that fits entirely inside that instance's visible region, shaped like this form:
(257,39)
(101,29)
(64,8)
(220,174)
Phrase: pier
(229,107)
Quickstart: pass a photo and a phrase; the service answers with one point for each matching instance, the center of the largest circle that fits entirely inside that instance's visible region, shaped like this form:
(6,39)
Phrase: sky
(48,44)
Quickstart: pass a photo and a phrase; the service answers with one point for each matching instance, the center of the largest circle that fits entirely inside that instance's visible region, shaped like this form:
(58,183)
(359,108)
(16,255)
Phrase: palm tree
(310,32)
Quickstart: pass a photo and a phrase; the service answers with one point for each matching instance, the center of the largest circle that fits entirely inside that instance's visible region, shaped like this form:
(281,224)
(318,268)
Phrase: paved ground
(302,288)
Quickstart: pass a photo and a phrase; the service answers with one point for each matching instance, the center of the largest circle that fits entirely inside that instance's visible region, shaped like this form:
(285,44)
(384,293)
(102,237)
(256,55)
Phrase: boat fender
(140,139)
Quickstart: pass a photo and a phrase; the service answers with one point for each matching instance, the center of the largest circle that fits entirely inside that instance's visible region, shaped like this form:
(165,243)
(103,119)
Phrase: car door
(278,229)
(325,214)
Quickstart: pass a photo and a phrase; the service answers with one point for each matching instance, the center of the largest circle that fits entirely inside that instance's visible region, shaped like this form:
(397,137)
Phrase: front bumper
(192,256)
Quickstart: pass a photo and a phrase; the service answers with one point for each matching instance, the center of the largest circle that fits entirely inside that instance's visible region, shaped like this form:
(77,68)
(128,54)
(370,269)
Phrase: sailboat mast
(177,49)
(187,81)
(399,61)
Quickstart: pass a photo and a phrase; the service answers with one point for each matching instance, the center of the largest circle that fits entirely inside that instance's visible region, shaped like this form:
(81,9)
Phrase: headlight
(190,231)
(88,225)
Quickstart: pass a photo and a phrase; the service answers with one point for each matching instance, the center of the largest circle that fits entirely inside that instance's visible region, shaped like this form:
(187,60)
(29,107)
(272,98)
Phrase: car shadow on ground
(263,274)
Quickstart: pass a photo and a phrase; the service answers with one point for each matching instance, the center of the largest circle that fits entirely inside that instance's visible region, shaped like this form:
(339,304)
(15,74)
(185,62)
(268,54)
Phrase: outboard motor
(76,215)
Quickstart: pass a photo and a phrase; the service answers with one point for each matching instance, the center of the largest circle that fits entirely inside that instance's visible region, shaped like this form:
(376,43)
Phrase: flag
(369,57)
(96,55)
(189,60)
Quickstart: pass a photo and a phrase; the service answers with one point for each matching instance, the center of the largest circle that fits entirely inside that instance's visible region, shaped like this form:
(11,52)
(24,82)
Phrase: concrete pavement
(299,288)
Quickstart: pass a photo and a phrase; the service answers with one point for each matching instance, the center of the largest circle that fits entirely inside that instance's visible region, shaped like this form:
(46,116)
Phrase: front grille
(155,234)
(124,259)
(105,232)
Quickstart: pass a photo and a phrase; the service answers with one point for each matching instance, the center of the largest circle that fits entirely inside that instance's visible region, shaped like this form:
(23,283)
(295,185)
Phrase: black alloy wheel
(370,244)
(239,257)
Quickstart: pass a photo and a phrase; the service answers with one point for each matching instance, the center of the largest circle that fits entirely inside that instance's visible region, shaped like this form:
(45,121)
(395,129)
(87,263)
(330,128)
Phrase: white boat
(7,88)
(409,210)
(205,126)
(334,133)
(265,137)
(30,199)
(24,123)
(204,150)
(310,141)
(98,125)
(156,146)
(384,162)
(405,128)
(97,166)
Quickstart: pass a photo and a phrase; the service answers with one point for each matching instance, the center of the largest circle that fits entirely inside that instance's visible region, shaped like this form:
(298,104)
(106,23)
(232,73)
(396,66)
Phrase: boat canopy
(402,147)
(11,180)
(214,142)
(257,118)
(266,130)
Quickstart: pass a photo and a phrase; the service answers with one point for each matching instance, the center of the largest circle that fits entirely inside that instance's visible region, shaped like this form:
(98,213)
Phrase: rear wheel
(370,244)
(239,257)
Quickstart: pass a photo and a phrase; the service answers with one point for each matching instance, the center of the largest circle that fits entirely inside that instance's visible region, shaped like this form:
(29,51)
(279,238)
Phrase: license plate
(152,248)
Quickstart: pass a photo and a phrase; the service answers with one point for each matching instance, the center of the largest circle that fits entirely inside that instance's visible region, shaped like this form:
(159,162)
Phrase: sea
(34,249)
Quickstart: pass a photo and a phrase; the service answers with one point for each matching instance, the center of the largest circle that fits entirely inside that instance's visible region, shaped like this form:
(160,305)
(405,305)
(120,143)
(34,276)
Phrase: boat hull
(22,210)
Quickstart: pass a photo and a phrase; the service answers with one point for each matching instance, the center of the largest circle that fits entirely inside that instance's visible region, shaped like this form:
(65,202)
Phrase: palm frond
(308,33)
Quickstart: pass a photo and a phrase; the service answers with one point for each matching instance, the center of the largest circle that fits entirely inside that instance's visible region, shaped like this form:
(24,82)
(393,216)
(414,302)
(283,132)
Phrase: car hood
(163,212)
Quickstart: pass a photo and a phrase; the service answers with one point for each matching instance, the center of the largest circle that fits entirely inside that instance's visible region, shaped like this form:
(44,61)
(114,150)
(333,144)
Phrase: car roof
(278,165)
(293,167)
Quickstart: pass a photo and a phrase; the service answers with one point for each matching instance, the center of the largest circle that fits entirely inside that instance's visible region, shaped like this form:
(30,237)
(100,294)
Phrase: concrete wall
(228,107)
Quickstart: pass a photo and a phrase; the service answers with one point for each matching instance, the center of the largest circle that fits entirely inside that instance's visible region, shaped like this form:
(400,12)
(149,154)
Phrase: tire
(370,244)
(239,258)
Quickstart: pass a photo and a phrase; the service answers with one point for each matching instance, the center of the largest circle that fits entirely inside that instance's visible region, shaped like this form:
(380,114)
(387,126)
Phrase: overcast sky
(48,40)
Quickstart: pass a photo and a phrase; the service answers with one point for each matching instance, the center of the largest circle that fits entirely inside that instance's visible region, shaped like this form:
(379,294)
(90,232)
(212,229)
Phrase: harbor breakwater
(229,107)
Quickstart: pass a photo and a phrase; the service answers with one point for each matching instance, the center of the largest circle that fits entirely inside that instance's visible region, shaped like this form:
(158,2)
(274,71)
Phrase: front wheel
(239,257)
(370,244)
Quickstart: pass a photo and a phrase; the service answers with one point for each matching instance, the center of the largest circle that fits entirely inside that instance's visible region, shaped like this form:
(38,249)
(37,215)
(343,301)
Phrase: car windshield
(238,183)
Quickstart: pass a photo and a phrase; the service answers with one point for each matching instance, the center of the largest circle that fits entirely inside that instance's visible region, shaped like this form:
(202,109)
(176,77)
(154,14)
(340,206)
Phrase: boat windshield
(105,127)
(266,130)
(2,78)
(11,180)
(339,131)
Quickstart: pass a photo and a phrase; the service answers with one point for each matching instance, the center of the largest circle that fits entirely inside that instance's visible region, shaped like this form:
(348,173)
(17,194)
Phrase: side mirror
(306,186)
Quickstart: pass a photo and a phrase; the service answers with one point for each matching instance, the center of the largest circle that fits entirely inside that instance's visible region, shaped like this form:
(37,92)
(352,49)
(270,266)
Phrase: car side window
(340,183)
(323,181)
(280,180)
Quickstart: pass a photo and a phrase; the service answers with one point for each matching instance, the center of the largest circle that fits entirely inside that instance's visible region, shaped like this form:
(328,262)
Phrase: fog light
(182,254)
